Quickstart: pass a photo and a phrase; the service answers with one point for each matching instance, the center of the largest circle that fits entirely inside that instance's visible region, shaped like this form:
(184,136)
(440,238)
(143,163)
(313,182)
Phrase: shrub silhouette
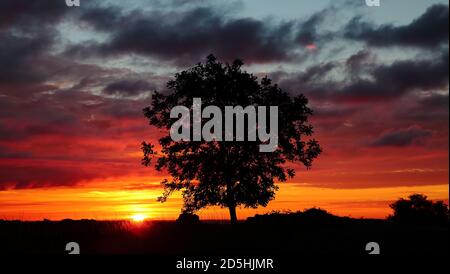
(228,174)
(417,209)
(188,218)
(312,216)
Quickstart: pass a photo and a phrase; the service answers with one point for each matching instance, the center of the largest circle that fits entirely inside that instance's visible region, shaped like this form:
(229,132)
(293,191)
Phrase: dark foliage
(417,209)
(187,218)
(228,174)
(308,233)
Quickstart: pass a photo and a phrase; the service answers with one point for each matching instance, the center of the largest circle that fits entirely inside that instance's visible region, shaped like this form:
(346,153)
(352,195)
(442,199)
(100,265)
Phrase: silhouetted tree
(228,174)
(417,209)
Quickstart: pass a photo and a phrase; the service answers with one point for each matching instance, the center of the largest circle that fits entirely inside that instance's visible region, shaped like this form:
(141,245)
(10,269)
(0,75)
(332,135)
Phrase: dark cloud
(56,124)
(30,16)
(377,82)
(128,87)
(61,138)
(17,56)
(187,36)
(65,114)
(313,81)
(186,33)
(9,134)
(403,137)
(432,110)
(102,18)
(398,78)
(316,72)
(6,152)
(333,112)
(435,102)
(357,63)
(309,32)
(27,33)
(29,176)
(428,31)
(124,109)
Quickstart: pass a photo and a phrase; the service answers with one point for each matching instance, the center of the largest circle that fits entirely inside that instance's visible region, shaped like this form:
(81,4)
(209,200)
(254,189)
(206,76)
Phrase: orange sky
(348,179)
(72,94)
(121,199)
(99,177)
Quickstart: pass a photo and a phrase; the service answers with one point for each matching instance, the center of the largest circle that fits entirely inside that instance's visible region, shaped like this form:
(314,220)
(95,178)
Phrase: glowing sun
(138,217)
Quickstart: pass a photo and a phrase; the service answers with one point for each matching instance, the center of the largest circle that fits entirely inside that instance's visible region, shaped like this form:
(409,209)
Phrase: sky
(74,81)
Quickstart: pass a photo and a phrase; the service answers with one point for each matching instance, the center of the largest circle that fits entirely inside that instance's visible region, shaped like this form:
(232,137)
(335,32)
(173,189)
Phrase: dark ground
(275,235)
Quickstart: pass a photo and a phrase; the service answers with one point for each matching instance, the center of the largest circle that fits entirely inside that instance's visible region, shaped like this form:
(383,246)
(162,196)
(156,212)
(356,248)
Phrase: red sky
(72,93)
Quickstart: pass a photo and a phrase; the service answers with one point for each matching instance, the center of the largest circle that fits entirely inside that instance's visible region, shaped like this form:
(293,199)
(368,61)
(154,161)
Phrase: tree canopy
(417,209)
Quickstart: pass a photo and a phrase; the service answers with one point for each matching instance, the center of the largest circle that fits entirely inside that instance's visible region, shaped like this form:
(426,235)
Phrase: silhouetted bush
(417,209)
(188,218)
(308,217)
(317,213)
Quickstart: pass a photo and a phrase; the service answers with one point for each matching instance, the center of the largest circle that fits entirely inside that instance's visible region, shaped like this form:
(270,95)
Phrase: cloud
(185,33)
(358,62)
(18,55)
(308,31)
(431,110)
(398,78)
(102,18)
(435,101)
(430,30)
(403,137)
(27,34)
(364,81)
(185,37)
(32,176)
(31,16)
(67,137)
(128,87)
(59,124)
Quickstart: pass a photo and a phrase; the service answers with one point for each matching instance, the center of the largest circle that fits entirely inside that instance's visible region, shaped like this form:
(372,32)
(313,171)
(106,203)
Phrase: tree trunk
(233,216)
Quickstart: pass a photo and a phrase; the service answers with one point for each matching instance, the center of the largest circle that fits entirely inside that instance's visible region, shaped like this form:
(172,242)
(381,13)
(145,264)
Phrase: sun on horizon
(138,217)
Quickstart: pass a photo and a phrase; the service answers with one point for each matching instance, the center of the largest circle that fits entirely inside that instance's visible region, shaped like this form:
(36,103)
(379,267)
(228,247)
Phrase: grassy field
(274,234)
